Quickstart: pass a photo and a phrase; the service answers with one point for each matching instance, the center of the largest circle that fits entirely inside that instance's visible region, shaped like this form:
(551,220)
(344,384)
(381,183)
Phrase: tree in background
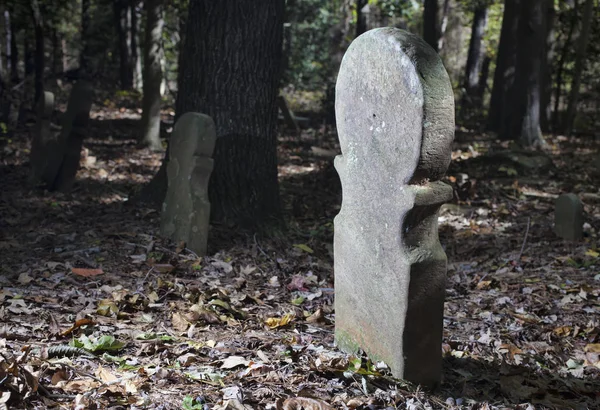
(505,65)
(430,23)
(475,55)
(523,119)
(152,74)
(580,61)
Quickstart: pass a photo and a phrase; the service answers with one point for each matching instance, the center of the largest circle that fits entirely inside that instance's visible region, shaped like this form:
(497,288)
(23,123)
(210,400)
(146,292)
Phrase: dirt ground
(98,311)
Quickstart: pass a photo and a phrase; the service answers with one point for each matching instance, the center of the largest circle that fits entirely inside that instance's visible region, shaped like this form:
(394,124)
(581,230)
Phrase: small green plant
(189,403)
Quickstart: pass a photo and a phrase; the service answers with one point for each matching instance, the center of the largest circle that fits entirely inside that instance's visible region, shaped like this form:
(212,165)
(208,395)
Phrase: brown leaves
(302,403)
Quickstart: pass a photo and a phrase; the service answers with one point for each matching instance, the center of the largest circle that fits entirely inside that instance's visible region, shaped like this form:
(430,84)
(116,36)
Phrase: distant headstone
(43,138)
(55,159)
(568,217)
(186,209)
(395,121)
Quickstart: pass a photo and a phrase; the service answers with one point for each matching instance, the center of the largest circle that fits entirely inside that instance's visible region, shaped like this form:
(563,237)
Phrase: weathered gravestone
(42,136)
(568,217)
(395,120)
(186,209)
(55,159)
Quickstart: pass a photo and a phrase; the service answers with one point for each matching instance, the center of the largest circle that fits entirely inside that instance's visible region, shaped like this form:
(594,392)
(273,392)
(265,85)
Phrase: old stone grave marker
(186,209)
(568,217)
(395,120)
(56,158)
(43,138)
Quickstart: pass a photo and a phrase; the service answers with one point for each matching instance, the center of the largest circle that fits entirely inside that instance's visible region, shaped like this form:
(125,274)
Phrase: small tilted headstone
(56,158)
(43,138)
(395,119)
(568,217)
(186,209)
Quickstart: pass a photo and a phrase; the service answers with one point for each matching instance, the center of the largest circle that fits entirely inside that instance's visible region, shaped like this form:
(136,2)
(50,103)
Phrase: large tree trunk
(231,73)
(152,74)
(523,122)
(122,12)
(505,65)
(586,25)
(430,23)
(38,25)
(475,56)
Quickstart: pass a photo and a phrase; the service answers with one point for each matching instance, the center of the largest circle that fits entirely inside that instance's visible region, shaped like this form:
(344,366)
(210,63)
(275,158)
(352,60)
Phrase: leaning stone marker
(568,217)
(186,209)
(395,120)
(43,138)
(55,158)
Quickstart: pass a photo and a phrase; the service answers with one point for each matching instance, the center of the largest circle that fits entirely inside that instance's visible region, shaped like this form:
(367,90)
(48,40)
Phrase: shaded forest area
(98,310)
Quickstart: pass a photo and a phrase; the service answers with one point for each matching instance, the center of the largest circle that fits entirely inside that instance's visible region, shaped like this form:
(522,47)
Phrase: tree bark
(483,77)
(546,76)
(430,25)
(233,46)
(505,65)
(561,67)
(361,19)
(475,56)
(39,48)
(84,57)
(152,74)
(122,12)
(134,44)
(523,123)
(443,25)
(586,25)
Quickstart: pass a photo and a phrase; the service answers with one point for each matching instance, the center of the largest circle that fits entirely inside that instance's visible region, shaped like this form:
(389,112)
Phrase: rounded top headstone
(394,108)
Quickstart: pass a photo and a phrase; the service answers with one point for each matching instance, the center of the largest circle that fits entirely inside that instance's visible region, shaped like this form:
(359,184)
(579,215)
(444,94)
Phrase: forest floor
(98,311)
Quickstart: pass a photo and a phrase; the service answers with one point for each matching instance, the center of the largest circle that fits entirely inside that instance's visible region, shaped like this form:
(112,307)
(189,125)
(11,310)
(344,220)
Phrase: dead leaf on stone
(302,403)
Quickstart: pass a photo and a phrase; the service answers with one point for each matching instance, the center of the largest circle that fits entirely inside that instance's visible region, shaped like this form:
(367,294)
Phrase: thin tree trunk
(505,65)
(546,77)
(136,54)
(586,25)
(39,48)
(123,23)
(152,74)
(561,67)
(483,78)
(475,56)
(523,123)
(430,25)
(361,19)
(443,25)
(84,57)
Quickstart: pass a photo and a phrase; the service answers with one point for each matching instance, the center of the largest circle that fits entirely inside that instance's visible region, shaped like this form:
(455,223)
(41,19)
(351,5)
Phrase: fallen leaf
(275,322)
(234,361)
(304,248)
(87,272)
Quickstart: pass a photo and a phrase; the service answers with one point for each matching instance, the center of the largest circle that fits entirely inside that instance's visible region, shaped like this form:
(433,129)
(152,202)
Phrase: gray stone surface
(55,159)
(43,139)
(395,119)
(186,209)
(568,217)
